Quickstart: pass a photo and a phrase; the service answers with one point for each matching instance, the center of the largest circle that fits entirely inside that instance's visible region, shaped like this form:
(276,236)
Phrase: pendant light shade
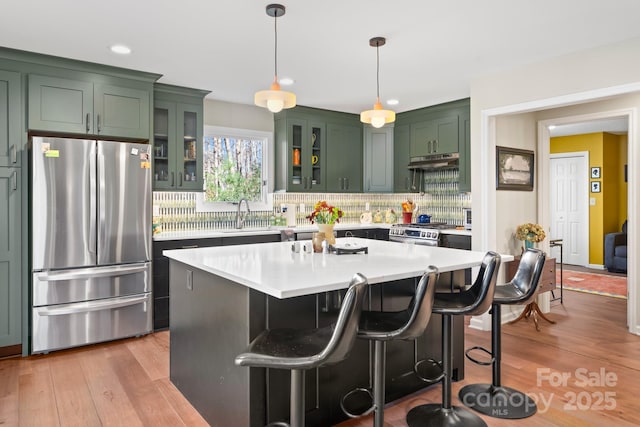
(275,99)
(377,117)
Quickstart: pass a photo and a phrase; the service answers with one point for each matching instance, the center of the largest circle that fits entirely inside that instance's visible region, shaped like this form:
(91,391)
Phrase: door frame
(485,194)
(585,227)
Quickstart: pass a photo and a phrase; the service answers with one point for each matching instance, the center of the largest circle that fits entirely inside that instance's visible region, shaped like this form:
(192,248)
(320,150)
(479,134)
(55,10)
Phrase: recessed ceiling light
(120,49)
(286,81)
(392,102)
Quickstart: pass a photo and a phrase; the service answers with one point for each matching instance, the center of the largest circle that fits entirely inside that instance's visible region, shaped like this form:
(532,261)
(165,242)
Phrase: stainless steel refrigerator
(91,241)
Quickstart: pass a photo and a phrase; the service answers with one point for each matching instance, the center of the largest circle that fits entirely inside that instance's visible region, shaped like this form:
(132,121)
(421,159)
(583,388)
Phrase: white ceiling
(617,125)
(433,50)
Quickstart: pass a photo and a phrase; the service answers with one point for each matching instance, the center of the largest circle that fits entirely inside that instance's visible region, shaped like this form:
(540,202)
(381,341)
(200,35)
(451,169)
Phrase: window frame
(268,157)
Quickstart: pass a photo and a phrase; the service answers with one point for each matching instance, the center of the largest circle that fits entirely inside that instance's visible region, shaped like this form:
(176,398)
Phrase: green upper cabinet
(439,129)
(10,257)
(78,106)
(401,149)
(344,157)
(313,150)
(178,138)
(10,142)
(378,159)
(435,136)
(464,180)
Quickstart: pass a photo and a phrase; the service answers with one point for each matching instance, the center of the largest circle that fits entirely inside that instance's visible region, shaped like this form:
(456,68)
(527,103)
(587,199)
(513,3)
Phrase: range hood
(435,161)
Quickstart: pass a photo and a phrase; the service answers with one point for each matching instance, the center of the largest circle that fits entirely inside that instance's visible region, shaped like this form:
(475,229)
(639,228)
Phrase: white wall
(582,77)
(239,116)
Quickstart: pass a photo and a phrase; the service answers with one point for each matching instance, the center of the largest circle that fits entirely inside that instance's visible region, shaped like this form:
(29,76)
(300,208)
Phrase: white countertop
(204,234)
(307,228)
(274,269)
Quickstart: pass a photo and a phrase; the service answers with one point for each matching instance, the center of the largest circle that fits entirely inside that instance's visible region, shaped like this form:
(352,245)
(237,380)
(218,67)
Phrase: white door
(569,185)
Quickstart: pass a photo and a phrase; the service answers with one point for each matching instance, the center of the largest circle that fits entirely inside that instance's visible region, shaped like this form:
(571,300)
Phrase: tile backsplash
(441,199)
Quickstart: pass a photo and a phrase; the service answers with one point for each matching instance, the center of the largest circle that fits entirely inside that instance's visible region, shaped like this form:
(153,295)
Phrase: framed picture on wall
(514,169)
(595,173)
(595,186)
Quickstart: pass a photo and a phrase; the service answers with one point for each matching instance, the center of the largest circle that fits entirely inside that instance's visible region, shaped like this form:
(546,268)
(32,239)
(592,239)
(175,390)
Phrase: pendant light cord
(275,55)
(378,70)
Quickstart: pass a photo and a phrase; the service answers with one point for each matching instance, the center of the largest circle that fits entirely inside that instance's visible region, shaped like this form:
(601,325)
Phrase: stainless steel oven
(426,234)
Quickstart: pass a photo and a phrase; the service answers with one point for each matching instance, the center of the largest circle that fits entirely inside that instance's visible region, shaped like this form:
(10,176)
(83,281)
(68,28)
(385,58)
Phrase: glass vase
(327,229)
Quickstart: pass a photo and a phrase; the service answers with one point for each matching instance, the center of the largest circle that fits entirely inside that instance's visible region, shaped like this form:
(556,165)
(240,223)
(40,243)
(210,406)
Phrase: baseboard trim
(596,266)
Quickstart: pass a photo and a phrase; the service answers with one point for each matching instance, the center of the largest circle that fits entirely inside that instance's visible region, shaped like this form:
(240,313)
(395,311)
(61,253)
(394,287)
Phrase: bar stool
(302,349)
(474,300)
(383,326)
(494,399)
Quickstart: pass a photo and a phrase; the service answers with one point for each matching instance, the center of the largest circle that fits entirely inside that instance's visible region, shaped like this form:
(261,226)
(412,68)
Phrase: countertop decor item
(325,216)
(324,213)
(530,233)
(377,117)
(275,99)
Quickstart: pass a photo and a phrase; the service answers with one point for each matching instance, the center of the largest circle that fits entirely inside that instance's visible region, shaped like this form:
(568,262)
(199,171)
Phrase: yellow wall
(610,204)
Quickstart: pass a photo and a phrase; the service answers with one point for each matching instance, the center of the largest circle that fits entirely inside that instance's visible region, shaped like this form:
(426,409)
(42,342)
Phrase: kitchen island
(222,297)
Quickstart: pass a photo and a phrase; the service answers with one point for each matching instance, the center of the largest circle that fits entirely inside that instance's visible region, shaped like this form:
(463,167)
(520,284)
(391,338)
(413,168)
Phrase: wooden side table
(547,283)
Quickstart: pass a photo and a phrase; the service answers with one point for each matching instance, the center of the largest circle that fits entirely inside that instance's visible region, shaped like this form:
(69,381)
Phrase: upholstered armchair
(615,250)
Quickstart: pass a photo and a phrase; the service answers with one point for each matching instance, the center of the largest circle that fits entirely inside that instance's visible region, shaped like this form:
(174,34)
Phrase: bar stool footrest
(278,424)
(351,393)
(436,364)
(477,361)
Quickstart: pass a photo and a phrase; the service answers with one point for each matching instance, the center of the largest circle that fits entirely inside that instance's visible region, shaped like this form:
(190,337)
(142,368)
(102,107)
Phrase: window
(236,166)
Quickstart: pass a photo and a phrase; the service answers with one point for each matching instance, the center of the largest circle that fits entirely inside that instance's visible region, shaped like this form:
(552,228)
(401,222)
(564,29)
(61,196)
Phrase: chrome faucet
(241,216)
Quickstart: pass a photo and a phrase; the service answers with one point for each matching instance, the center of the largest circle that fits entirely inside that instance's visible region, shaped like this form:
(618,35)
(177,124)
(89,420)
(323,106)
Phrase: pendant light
(378,117)
(275,99)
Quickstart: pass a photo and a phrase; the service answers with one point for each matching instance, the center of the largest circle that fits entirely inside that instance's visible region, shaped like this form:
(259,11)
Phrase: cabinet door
(316,156)
(344,158)
(60,105)
(401,154)
(378,159)
(464,182)
(297,163)
(121,111)
(10,119)
(189,145)
(164,145)
(435,136)
(10,257)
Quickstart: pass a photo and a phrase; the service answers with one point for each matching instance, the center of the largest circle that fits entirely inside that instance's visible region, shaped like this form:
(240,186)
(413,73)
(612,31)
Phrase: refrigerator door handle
(92,273)
(92,204)
(102,209)
(84,307)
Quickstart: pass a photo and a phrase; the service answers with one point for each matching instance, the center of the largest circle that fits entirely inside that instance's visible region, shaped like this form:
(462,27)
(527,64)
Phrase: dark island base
(213,319)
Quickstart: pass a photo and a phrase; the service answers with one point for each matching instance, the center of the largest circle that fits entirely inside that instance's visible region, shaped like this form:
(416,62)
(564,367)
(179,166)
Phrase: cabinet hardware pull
(14,154)
(436,145)
(14,180)
(87,119)
(346,183)
(98,123)
(172,179)
(189,246)
(179,179)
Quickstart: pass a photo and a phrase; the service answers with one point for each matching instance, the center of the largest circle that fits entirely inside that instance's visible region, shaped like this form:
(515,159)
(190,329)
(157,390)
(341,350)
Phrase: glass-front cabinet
(306,156)
(178,138)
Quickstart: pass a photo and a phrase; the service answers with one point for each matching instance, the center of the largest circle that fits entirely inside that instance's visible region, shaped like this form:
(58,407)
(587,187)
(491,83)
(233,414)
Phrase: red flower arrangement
(323,213)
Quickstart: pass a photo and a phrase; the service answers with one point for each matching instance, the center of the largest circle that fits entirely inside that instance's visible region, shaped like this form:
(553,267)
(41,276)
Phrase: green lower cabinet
(10,258)
(344,158)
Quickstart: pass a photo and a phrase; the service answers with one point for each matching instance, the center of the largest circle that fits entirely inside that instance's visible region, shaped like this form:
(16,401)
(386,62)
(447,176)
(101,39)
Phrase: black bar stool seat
(471,301)
(299,350)
(495,399)
(383,326)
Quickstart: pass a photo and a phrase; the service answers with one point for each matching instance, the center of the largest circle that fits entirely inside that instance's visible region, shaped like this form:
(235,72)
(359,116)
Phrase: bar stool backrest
(345,330)
(528,274)
(420,307)
(484,285)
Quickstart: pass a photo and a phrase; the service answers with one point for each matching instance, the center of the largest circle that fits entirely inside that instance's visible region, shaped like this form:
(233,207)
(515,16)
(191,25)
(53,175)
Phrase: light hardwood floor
(125,383)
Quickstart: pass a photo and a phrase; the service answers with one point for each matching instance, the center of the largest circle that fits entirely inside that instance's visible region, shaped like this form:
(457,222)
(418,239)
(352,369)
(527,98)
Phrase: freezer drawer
(69,325)
(66,286)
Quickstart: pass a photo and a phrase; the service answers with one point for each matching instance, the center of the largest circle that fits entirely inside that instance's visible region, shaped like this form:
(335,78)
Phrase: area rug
(593,283)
